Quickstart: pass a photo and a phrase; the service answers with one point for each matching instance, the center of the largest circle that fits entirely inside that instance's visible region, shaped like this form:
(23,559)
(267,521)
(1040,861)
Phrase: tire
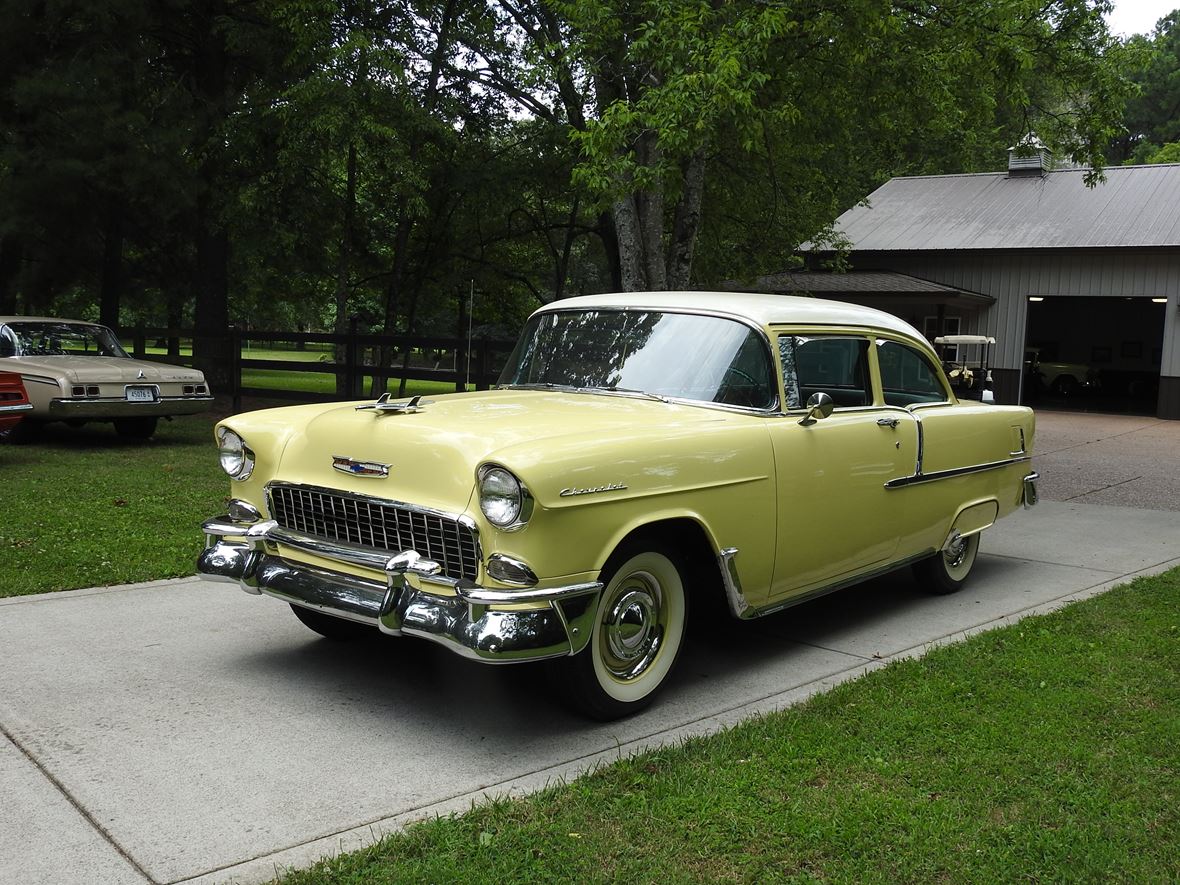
(946,571)
(23,433)
(136,428)
(1066,385)
(638,631)
(336,629)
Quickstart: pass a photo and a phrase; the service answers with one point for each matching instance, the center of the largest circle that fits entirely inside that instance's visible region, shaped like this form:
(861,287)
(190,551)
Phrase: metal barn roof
(1135,206)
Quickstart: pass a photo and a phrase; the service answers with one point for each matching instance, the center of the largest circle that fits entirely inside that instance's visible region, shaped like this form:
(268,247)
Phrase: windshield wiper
(612,389)
(631,391)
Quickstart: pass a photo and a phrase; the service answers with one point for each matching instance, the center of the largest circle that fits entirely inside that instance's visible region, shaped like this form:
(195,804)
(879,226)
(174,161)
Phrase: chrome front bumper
(413,600)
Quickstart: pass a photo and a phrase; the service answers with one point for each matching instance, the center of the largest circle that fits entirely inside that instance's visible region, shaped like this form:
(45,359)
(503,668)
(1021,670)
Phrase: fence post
(235,367)
(139,343)
(485,371)
(353,382)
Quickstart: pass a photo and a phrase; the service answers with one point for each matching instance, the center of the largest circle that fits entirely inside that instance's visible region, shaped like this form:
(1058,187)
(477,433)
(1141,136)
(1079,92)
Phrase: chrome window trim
(865,334)
(919,477)
(948,393)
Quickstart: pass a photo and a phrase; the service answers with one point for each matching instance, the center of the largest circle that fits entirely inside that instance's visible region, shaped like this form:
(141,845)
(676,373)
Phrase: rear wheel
(330,627)
(136,428)
(945,572)
(637,634)
(23,433)
(1066,385)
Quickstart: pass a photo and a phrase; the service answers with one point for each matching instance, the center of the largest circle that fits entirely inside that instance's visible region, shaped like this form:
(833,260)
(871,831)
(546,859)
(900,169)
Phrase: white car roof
(766,310)
(46,320)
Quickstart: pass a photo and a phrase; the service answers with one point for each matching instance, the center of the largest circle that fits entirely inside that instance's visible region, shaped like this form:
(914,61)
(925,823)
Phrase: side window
(835,365)
(907,377)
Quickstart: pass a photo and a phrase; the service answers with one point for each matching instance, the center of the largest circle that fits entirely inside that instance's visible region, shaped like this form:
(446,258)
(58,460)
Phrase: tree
(658,92)
(1152,117)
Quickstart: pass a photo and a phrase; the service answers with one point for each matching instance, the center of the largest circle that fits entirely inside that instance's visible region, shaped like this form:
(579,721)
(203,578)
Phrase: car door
(836,518)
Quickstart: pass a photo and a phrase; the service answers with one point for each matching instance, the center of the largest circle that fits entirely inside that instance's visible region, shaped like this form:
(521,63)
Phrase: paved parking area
(1127,460)
(186,732)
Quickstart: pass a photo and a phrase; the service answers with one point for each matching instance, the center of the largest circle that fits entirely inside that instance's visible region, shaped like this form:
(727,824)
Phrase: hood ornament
(406,407)
(359,468)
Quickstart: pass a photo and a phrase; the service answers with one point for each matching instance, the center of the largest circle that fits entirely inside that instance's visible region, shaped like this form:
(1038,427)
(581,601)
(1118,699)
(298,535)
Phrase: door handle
(888,422)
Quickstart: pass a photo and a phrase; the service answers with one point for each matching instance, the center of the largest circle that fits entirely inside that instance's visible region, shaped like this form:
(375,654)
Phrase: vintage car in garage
(646,459)
(78,372)
(14,402)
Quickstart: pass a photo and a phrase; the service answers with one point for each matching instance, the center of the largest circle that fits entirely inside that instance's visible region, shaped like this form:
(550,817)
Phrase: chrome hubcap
(633,627)
(956,553)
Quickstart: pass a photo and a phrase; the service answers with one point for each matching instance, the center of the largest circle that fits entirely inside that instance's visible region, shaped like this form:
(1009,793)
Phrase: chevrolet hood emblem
(359,468)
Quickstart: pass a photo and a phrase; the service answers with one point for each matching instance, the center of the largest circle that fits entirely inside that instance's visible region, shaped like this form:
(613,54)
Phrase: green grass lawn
(1045,751)
(83,507)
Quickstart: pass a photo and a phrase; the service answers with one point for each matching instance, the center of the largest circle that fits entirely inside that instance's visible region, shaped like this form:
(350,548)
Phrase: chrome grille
(382,525)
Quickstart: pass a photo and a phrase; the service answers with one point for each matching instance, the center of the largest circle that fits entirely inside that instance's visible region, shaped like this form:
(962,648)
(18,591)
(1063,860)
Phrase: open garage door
(1094,354)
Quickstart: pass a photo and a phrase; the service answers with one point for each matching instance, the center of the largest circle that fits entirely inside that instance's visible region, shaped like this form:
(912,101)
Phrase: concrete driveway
(186,732)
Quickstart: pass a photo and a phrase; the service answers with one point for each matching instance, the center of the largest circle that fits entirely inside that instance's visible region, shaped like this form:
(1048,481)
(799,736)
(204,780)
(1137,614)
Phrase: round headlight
(500,496)
(236,458)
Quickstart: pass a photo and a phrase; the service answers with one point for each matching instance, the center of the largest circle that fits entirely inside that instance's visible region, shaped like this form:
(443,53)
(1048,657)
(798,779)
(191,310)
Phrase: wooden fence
(449,360)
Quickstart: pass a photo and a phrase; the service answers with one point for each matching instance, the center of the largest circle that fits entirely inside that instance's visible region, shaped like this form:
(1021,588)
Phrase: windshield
(681,356)
(60,339)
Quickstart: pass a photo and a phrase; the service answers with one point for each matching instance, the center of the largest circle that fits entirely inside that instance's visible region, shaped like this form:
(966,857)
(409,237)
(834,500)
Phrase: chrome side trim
(921,444)
(733,583)
(745,612)
(1023,445)
(919,477)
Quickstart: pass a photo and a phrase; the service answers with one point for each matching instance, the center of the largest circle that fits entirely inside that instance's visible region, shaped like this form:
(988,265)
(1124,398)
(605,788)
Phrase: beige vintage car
(646,459)
(77,372)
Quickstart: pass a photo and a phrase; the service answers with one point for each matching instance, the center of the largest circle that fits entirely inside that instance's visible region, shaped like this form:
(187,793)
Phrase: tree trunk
(343,267)
(211,340)
(687,222)
(10,258)
(111,284)
(630,242)
(405,224)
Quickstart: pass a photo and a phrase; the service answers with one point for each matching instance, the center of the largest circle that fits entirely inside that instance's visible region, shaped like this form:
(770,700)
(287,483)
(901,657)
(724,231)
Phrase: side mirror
(819,405)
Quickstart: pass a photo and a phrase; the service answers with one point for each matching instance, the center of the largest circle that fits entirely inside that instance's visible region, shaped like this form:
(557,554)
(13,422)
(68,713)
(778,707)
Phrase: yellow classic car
(78,372)
(645,458)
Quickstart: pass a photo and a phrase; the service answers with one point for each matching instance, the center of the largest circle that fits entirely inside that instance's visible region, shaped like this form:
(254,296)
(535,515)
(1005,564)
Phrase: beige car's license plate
(141,394)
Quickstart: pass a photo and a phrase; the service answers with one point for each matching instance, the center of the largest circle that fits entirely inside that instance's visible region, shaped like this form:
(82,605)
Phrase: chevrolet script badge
(359,468)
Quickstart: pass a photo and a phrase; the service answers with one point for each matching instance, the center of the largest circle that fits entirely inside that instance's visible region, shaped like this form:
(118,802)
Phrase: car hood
(433,453)
(83,369)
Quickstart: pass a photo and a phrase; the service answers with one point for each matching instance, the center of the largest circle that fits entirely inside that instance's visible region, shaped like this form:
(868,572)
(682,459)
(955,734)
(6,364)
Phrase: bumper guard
(413,600)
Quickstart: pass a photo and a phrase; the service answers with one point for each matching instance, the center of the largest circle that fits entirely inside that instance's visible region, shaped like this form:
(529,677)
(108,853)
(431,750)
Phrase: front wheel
(638,629)
(945,572)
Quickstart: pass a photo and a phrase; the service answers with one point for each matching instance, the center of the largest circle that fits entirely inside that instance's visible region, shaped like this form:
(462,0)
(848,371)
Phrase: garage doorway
(1094,354)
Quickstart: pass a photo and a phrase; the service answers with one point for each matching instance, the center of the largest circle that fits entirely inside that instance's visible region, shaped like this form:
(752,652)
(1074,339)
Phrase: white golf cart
(966,359)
